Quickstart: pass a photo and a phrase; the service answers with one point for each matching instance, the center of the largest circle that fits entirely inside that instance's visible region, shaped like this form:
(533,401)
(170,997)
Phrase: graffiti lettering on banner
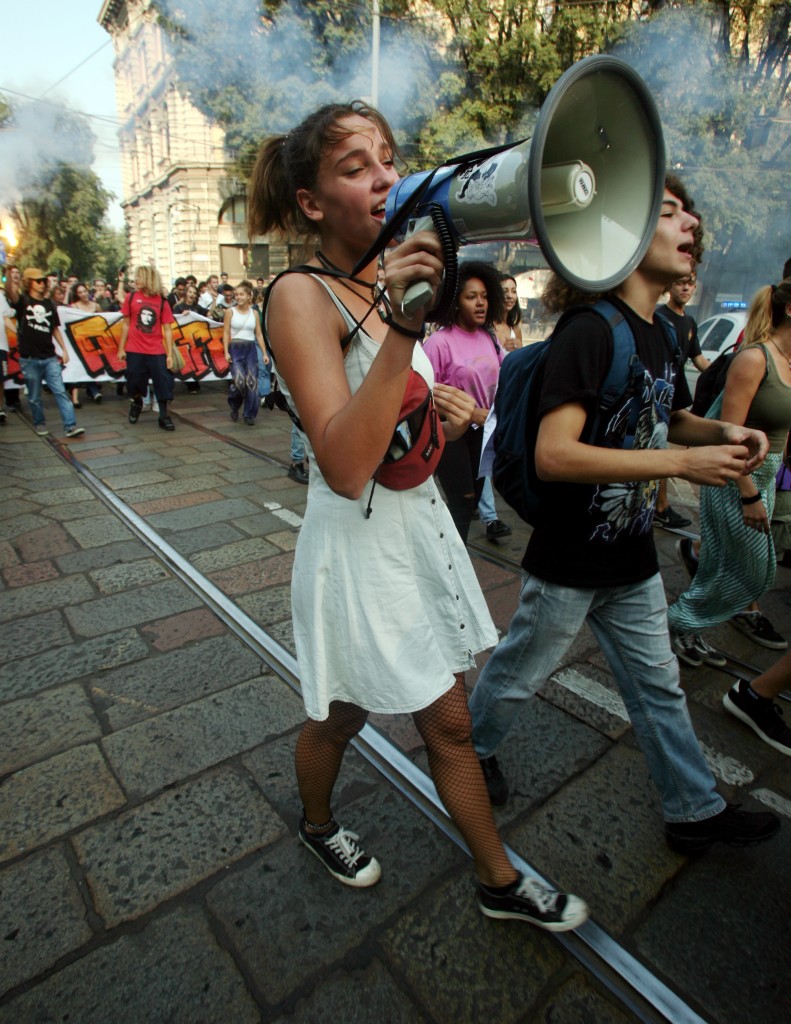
(93,338)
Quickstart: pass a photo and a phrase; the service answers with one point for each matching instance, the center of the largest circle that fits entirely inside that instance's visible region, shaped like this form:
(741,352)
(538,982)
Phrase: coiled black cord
(450,281)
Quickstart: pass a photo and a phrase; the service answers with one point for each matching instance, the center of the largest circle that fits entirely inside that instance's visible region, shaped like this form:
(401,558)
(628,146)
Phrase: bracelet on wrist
(752,499)
(407,332)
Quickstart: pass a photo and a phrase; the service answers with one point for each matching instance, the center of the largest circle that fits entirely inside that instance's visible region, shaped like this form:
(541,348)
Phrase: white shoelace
(344,845)
(545,899)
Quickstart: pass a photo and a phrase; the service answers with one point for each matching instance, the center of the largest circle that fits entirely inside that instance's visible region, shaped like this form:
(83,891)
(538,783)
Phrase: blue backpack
(518,392)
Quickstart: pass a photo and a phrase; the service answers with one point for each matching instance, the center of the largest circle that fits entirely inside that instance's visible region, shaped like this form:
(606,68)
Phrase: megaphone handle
(415,297)
(420,293)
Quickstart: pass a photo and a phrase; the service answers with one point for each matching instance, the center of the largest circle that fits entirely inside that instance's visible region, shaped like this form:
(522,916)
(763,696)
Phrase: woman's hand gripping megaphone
(413,273)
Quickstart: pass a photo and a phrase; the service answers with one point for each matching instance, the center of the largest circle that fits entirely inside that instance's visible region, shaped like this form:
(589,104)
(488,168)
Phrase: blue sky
(45,42)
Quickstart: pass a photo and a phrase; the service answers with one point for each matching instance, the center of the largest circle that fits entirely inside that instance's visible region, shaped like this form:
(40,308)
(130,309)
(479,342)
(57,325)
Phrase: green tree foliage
(60,222)
(721,75)
(458,74)
(57,203)
(112,253)
(261,66)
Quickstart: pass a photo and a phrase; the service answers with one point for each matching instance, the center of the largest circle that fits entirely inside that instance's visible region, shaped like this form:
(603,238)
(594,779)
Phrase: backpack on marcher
(518,392)
(712,381)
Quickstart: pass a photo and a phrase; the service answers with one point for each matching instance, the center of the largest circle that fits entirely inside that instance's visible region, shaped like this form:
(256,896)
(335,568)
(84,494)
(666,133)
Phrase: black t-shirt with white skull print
(36,322)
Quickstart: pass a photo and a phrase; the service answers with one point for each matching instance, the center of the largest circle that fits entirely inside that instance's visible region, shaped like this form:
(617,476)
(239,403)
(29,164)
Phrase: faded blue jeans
(38,371)
(297,445)
(486,509)
(630,624)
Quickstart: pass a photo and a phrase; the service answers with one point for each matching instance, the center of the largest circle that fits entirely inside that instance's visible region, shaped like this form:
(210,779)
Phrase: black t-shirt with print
(36,320)
(686,331)
(599,535)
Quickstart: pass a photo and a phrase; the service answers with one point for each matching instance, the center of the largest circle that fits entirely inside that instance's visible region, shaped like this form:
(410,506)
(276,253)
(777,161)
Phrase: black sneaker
(530,900)
(759,629)
(135,408)
(496,783)
(762,715)
(731,826)
(709,654)
(686,649)
(2,417)
(296,471)
(341,854)
(166,423)
(687,555)
(497,528)
(249,421)
(75,431)
(671,519)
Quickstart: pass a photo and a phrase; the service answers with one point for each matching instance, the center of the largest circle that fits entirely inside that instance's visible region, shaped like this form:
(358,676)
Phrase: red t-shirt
(146,315)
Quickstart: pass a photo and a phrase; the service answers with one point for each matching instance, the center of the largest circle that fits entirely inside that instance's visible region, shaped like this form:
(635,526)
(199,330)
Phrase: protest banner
(91,340)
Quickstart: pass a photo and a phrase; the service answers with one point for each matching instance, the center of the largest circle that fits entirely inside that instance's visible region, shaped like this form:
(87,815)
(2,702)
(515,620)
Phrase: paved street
(149,867)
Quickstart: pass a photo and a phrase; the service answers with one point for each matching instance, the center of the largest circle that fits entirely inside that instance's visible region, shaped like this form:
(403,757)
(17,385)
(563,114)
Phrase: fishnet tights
(445,728)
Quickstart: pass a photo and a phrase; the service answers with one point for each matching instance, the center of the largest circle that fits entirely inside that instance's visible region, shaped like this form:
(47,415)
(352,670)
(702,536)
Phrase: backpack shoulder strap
(625,366)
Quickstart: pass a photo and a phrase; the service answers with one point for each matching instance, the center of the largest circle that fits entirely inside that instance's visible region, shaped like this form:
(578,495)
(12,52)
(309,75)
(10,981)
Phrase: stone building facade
(182,215)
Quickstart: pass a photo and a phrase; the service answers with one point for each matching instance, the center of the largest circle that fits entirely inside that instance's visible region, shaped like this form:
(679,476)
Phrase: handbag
(178,359)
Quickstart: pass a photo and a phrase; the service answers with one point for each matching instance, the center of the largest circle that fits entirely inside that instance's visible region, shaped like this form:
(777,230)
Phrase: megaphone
(587,186)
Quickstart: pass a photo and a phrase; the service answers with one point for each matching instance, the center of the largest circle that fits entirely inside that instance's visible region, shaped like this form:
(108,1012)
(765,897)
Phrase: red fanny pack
(417,442)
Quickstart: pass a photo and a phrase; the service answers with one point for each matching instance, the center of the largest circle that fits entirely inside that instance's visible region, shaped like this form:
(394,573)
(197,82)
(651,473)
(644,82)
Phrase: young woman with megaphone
(387,611)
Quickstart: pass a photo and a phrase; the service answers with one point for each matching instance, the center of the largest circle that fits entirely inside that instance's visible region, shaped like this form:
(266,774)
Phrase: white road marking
(593,691)
(283,513)
(773,800)
(726,769)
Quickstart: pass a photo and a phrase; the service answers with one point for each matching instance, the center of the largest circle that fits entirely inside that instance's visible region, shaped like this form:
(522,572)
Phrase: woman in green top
(737,558)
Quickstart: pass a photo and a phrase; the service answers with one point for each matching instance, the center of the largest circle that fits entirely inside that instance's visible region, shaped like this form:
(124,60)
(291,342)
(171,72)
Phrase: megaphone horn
(587,186)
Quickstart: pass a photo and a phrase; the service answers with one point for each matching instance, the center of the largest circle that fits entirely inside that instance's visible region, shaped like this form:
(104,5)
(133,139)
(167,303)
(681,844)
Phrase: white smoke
(38,137)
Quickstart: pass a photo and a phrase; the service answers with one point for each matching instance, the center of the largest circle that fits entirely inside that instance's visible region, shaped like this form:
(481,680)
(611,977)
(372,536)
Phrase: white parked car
(716,335)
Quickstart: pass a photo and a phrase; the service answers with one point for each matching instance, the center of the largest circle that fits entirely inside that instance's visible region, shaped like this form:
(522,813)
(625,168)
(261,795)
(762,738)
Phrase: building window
(234,211)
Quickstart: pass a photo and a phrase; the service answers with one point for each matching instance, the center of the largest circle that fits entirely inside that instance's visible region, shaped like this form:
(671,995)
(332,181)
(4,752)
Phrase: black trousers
(457,472)
(140,368)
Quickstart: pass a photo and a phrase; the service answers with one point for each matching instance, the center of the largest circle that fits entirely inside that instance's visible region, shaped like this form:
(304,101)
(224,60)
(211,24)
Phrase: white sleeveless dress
(385,609)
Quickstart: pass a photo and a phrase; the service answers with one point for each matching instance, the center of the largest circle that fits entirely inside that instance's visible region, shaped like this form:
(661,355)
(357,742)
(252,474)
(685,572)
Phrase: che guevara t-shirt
(146,314)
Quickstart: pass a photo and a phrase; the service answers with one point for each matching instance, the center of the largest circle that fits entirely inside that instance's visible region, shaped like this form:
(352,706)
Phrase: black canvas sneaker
(762,715)
(731,826)
(708,653)
(686,649)
(759,629)
(341,854)
(530,900)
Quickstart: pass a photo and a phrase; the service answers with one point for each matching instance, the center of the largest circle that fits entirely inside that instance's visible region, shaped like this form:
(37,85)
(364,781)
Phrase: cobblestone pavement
(149,869)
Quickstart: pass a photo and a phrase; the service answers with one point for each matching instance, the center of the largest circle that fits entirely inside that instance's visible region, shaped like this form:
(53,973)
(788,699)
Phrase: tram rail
(640,991)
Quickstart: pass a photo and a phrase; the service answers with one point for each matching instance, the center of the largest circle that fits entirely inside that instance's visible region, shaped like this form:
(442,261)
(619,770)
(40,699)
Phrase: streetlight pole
(375,53)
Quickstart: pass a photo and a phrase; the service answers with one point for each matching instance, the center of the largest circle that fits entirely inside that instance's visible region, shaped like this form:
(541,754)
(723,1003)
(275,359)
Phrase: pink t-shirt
(465,360)
(146,315)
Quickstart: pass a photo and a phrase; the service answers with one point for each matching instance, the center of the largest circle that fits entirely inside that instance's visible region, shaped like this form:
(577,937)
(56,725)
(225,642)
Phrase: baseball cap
(34,274)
